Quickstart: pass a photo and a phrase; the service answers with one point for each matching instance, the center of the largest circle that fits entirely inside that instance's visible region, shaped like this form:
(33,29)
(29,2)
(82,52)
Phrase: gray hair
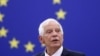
(45,22)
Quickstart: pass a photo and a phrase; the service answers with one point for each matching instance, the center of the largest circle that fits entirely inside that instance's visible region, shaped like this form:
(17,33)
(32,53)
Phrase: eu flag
(20,19)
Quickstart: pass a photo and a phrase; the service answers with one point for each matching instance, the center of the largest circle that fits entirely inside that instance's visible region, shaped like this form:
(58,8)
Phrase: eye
(49,31)
(58,30)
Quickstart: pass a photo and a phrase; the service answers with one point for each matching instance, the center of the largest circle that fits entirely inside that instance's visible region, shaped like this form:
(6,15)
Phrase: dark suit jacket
(65,53)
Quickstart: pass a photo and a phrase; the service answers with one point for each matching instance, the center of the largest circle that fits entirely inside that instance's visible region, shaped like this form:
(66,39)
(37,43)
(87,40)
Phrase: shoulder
(66,52)
(72,53)
(40,54)
(75,53)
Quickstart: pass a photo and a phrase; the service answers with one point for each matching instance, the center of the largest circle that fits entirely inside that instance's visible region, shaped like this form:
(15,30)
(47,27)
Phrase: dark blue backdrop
(81,25)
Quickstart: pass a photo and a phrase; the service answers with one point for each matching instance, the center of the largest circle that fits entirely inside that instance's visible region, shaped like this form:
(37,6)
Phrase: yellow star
(61,14)
(1,17)
(3,32)
(56,1)
(3,2)
(14,43)
(29,47)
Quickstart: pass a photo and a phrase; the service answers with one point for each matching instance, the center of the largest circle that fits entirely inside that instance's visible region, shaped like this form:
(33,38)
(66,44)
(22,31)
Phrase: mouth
(55,40)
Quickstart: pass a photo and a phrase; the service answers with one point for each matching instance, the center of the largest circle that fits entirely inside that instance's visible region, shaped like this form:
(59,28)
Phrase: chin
(55,45)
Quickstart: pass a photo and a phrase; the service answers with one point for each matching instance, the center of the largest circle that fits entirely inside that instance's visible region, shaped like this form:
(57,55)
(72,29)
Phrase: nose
(54,34)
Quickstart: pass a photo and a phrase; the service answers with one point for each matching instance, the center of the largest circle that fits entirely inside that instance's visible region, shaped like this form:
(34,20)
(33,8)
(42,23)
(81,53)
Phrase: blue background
(81,25)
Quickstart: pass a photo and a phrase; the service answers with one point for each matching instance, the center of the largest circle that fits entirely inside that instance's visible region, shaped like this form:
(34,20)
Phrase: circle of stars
(14,43)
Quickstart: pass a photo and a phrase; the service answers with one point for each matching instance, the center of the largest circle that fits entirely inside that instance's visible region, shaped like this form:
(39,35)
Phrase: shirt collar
(57,53)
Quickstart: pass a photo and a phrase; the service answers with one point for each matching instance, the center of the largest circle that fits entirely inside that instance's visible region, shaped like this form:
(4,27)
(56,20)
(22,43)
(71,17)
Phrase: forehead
(51,25)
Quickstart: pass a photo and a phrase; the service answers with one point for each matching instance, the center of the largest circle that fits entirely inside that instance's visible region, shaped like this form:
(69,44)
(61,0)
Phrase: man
(51,35)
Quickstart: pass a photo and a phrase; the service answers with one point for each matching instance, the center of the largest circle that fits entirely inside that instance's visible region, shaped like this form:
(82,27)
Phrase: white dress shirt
(57,53)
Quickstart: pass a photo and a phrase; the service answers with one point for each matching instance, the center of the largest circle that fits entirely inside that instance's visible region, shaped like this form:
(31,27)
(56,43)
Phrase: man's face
(52,36)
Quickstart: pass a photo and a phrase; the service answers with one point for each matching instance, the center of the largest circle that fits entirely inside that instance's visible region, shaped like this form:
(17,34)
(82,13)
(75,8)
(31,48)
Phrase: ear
(41,39)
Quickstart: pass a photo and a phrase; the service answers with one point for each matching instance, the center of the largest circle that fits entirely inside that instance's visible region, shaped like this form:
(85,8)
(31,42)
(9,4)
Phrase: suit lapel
(65,52)
(43,54)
